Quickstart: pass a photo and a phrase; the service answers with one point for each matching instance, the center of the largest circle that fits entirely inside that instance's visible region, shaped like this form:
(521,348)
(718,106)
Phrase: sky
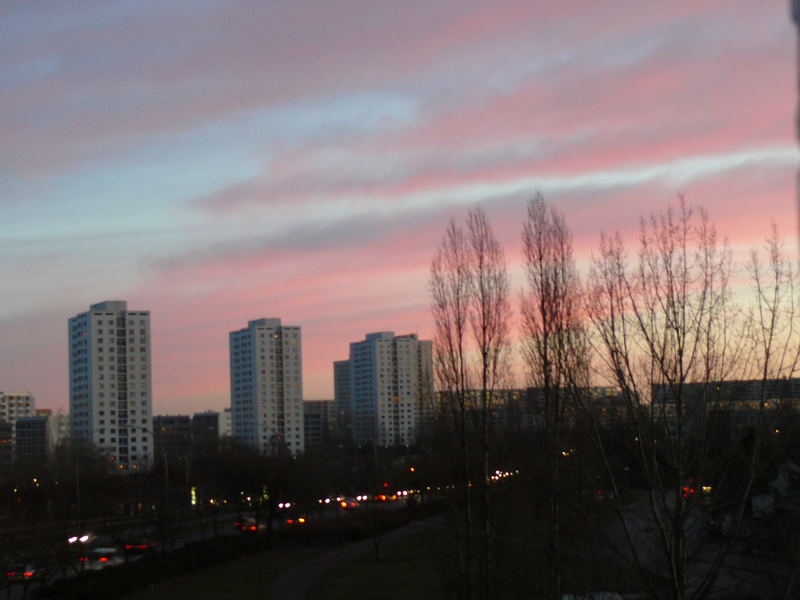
(218,161)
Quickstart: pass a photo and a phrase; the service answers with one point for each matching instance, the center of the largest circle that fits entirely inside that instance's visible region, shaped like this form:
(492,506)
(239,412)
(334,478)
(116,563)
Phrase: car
(138,546)
(248,525)
(101,557)
(348,503)
(21,572)
(297,520)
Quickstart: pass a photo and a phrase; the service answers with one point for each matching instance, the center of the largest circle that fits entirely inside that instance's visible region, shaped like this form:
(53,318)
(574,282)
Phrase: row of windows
(142,331)
(122,376)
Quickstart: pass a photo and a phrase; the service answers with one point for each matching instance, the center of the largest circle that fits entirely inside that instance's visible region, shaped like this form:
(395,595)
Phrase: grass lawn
(408,569)
(248,577)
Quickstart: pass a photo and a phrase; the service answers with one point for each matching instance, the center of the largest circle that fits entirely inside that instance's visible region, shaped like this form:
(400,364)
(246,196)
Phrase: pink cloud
(498,92)
(98,98)
(673,104)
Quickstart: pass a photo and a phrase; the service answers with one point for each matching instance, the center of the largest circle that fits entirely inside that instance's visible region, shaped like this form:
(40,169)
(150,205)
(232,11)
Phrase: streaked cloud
(220,160)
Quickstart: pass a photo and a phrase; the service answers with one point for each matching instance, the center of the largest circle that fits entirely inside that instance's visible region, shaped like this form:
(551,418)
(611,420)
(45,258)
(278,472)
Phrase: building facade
(226,423)
(343,399)
(317,420)
(387,383)
(14,407)
(267,386)
(33,438)
(206,432)
(173,437)
(110,385)
(735,406)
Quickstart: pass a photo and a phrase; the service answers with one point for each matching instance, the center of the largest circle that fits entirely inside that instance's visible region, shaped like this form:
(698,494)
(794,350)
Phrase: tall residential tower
(110,390)
(386,382)
(267,386)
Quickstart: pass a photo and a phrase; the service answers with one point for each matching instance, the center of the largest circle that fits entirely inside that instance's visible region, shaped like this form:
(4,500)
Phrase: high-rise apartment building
(386,381)
(110,386)
(267,386)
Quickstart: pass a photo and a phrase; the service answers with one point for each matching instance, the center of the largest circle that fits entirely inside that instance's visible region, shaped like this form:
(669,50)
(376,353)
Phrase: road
(198,529)
(192,531)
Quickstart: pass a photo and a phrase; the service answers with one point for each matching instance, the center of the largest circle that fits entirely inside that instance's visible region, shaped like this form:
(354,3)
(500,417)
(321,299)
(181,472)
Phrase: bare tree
(489,323)
(774,359)
(469,288)
(554,348)
(451,288)
(775,314)
(669,335)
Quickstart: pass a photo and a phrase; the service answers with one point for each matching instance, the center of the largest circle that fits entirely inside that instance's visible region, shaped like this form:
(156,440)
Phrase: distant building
(267,386)
(602,405)
(57,427)
(61,428)
(525,409)
(735,406)
(33,438)
(225,423)
(173,435)
(14,406)
(6,443)
(390,381)
(205,431)
(510,408)
(343,400)
(317,416)
(110,382)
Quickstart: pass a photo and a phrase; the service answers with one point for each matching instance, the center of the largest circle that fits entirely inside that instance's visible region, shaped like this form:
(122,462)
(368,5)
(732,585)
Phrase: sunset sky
(216,161)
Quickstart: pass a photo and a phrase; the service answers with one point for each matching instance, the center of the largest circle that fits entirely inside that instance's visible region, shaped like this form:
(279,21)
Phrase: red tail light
(253,528)
(128,546)
(103,559)
(290,521)
(11,574)
(27,574)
